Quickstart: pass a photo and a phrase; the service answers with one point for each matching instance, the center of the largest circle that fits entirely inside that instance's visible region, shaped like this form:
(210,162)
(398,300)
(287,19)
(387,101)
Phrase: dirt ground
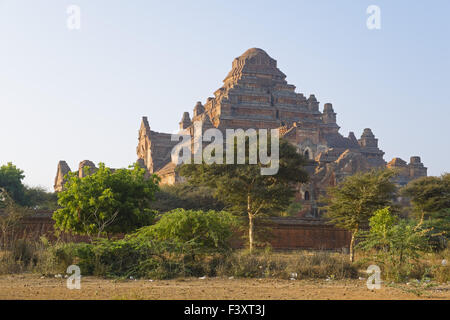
(31,286)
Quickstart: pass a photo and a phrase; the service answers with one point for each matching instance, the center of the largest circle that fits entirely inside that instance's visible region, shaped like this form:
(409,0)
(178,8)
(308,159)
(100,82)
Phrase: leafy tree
(11,180)
(38,198)
(350,204)
(106,201)
(205,230)
(440,222)
(429,195)
(243,189)
(396,243)
(186,196)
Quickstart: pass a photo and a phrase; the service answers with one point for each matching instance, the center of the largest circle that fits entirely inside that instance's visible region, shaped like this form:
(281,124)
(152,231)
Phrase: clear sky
(80,94)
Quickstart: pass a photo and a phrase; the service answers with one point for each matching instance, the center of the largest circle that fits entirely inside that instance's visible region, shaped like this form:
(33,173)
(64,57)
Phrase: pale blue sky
(77,95)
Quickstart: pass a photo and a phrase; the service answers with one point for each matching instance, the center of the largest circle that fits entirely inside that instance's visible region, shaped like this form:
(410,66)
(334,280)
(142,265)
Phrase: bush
(34,256)
(207,231)
(182,243)
(395,245)
(244,264)
(140,259)
(441,273)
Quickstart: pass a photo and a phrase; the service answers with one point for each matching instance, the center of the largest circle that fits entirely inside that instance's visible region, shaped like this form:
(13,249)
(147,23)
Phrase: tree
(350,204)
(186,196)
(106,201)
(396,243)
(11,180)
(38,198)
(244,190)
(429,195)
(10,218)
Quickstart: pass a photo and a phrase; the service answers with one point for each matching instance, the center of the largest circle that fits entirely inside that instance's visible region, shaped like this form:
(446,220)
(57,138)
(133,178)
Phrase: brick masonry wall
(41,224)
(287,233)
(309,237)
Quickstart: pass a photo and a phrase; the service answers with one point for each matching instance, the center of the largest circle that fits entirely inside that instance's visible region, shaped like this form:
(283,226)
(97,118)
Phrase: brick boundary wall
(306,233)
(287,233)
(40,223)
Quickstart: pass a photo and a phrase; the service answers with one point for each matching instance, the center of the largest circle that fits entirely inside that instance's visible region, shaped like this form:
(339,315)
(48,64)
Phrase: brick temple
(255,94)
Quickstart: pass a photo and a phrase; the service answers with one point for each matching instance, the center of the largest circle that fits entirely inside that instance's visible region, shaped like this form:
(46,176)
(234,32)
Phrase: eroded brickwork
(255,94)
(291,233)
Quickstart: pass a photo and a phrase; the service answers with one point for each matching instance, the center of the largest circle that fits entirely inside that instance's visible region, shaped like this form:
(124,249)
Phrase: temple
(255,94)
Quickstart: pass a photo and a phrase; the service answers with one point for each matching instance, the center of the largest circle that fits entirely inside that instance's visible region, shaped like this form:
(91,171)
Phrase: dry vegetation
(34,273)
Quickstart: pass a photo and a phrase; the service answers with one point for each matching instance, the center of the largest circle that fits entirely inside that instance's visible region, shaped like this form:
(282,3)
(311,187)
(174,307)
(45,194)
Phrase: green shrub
(181,244)
(395,245)
(206,231)
(139,259)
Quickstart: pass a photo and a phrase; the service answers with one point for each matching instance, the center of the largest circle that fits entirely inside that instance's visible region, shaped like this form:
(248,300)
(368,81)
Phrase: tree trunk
(250,231)
(250,223)
(422,218)
(352,247)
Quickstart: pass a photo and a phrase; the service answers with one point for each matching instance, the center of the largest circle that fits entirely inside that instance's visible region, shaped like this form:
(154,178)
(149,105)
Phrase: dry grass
(298,264)
(45,259)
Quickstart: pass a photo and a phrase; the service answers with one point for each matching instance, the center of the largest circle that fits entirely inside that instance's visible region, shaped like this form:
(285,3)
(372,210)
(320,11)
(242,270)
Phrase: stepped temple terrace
(255,94)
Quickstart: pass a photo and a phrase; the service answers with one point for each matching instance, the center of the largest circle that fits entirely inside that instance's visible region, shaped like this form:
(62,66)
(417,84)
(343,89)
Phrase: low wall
(287,233)
(305,233)
(39,224)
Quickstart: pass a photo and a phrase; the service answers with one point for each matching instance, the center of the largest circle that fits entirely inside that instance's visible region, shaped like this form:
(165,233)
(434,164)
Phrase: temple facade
(255,94)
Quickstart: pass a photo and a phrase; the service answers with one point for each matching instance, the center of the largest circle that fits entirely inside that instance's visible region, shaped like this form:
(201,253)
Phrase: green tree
(106,201)
(186,196)
(39,198)
(430,196)
(352,202)
(243,189)
(396,243)
(11,179)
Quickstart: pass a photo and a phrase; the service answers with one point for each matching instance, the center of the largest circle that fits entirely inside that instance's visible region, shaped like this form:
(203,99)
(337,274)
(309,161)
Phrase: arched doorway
(307,196)
(306,154)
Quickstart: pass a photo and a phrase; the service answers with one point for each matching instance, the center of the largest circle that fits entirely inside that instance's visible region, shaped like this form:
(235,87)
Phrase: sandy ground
(30,286)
